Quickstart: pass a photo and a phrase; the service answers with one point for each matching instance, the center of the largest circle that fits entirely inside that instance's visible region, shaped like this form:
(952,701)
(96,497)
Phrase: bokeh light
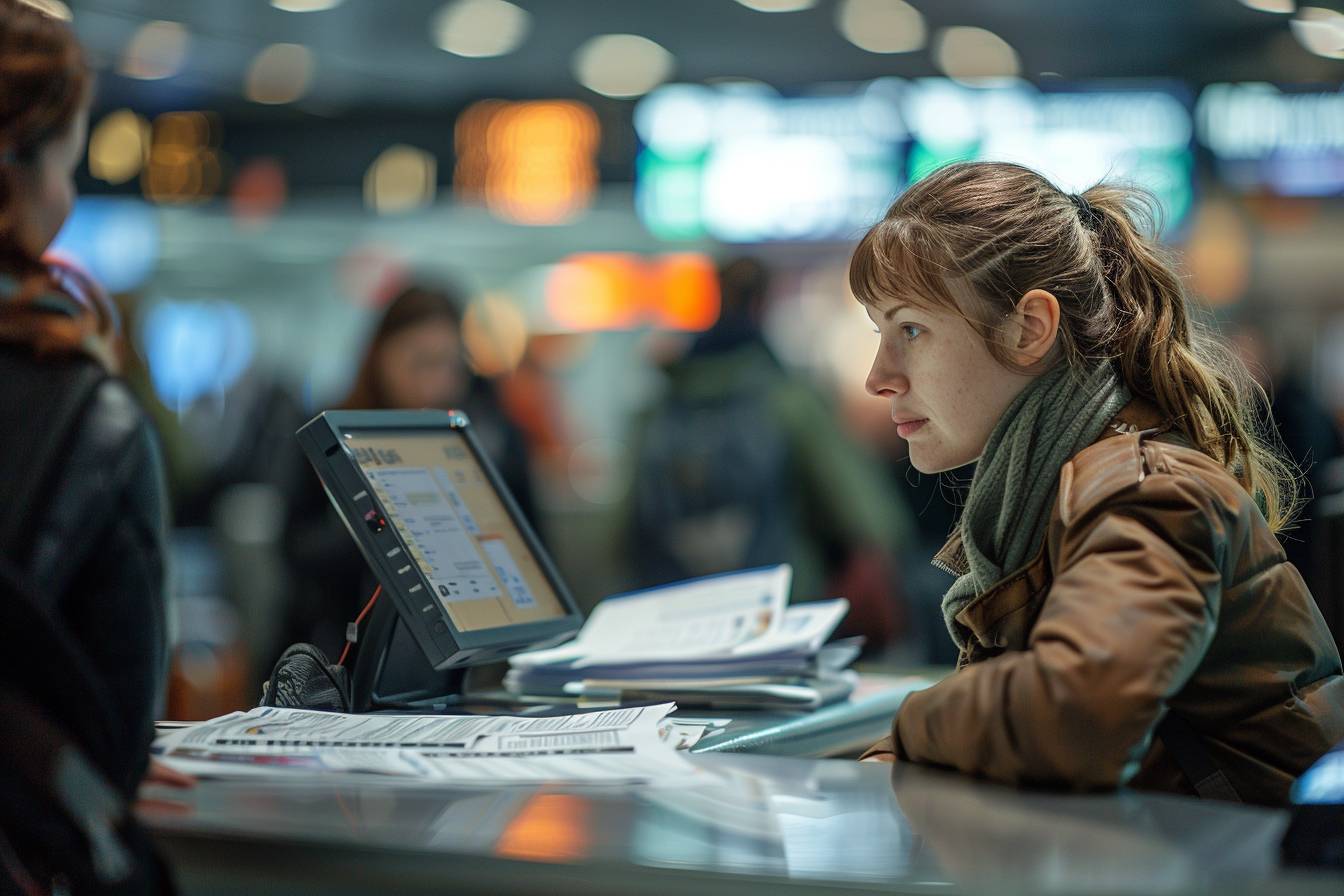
(975,54)
(279,74)
(480,28)
(528,162)
(119,146)
(622,65)
(306,5)
(1279,6)
(54,8)
(778,5)
(1320,31)
(597,291)
(183,163)
(494,331)
(115,240)
(157,50)
(686,292)
(258,192)
(195,349)
(1218,254)
(881,26)
(402,179)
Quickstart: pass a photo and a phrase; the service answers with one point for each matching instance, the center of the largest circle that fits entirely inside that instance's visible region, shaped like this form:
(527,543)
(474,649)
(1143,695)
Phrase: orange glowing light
(495,333)
(687,292)
(616,291)
(528,162)
(183,163)
(550,827)
(597,291)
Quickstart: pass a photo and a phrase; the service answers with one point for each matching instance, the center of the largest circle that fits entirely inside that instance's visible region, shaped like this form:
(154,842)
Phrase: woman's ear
(1037,317)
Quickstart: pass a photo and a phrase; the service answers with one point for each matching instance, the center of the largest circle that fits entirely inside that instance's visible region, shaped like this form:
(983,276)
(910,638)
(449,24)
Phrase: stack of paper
(726,640)
(634,745)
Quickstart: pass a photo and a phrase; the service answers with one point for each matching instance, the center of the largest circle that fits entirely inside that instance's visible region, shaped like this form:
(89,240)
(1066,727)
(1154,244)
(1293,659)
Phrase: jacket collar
(985,616)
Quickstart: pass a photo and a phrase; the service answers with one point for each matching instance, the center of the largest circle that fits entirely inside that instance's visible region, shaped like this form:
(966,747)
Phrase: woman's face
(421,366)
(946,390)
(45,187)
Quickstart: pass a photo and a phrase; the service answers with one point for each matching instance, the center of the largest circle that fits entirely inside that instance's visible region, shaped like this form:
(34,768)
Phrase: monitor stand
(391,673)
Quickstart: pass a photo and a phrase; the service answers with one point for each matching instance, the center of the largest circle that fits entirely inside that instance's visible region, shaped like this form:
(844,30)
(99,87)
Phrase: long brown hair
(44,83)
(412,306)
(1000,230)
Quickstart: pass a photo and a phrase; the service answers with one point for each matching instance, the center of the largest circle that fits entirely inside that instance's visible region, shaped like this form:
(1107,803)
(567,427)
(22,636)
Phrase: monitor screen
(435,494)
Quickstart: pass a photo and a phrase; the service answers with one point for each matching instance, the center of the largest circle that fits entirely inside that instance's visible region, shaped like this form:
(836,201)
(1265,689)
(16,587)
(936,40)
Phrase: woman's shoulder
(1146,470)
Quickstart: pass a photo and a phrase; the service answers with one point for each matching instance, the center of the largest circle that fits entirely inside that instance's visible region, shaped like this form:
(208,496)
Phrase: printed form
(610,746)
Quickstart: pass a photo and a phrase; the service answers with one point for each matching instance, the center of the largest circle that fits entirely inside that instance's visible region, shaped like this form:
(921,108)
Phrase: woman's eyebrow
(893,311)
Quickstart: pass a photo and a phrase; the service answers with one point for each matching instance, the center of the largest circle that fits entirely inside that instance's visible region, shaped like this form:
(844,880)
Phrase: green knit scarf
(1013,491)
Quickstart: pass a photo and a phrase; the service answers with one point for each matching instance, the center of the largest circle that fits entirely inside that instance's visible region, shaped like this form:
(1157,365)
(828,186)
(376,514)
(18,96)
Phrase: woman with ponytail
(1124,612)
(81,482)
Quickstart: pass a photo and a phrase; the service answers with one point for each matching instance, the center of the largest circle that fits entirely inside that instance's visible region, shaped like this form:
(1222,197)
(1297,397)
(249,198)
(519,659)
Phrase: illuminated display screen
(1075,137)
(744,164)
(1290,142)
(455,528)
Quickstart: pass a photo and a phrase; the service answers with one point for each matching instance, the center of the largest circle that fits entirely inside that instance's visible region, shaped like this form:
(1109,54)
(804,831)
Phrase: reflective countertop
(751,822)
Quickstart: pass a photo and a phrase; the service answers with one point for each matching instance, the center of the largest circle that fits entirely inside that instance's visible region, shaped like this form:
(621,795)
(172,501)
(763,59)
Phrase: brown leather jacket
(1160,588)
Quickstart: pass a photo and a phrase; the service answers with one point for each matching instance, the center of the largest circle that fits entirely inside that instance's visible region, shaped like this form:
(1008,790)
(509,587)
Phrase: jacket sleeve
(1130,614)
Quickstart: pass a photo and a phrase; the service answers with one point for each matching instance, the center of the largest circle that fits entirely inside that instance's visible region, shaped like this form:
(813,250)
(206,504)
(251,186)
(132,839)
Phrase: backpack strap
(1187,747)
(48,404)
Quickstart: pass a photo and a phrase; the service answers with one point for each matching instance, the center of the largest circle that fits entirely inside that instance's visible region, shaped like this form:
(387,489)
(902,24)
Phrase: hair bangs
(896,262)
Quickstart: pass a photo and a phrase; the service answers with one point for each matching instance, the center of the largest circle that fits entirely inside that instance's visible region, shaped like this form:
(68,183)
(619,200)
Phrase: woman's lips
(909,427)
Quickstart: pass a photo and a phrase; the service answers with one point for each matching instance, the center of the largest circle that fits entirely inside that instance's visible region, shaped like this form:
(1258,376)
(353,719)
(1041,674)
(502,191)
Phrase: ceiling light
(778,5)
(1320,31)
(54,8)
(1285,6)
(974,54)
(622,65)
(118,147)
(401,179)
(156,50)
(479,28)
(279,74)
(881,26)
(305,5)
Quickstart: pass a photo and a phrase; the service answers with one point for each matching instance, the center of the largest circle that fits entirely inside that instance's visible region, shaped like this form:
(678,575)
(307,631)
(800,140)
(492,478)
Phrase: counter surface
(754,824)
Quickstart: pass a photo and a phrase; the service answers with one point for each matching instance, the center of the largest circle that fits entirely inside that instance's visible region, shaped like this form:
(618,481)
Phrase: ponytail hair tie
(1088,215)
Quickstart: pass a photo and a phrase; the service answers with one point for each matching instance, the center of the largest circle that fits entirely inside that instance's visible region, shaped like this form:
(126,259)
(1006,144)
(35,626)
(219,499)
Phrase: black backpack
(710,487)
(41,405)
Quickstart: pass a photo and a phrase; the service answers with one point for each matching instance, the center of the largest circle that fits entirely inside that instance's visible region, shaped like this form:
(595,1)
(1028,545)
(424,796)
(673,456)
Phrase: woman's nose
(883,379)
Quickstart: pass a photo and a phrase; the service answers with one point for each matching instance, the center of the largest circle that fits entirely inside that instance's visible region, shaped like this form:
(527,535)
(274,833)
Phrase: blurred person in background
(741,464)
(81,480)
(415,359)
(1123,610)
(1306,426)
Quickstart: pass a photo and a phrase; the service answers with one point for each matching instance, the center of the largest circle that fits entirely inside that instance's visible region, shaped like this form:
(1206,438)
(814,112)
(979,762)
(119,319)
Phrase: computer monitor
(466,574)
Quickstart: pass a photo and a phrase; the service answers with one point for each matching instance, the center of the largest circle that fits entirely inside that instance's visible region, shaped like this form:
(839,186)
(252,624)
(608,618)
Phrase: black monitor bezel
(338,470)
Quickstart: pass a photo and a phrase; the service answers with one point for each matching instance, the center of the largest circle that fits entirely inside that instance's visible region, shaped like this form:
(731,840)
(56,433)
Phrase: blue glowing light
(115,240)
(196,348)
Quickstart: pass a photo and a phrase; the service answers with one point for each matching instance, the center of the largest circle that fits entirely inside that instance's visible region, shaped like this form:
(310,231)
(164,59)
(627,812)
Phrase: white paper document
(610,746)
(703,617)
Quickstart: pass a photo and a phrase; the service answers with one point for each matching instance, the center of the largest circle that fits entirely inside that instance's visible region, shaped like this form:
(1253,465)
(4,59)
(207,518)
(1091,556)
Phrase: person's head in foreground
(45,90)
(1117,564)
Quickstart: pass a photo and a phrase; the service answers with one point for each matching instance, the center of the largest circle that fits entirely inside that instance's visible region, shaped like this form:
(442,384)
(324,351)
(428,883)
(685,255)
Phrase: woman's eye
(910,331)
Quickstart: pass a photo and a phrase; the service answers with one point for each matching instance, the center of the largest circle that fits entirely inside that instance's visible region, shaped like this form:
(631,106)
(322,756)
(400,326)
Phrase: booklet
(710,637)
